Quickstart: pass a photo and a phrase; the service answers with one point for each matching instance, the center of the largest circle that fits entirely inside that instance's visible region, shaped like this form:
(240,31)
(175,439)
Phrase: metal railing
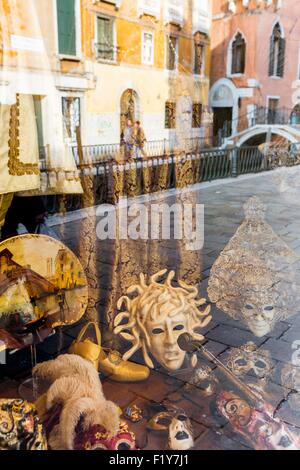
(259,116)
(153,148)
(106,51)
(112,180)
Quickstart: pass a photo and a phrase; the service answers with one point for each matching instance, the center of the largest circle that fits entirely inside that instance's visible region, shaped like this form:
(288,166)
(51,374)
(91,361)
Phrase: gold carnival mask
(157,316)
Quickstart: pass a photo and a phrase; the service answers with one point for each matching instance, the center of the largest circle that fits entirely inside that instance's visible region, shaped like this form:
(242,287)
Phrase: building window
(172,45)
(197,113)
(106,48)
(238,54)
(277,53)
(66,25)
(71,116)
(273,111)
(148,48)
(199,56)
(37,101)
(170,115)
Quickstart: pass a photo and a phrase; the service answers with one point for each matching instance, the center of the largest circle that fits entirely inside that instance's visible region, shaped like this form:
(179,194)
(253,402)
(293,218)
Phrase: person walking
(127,139)
(139,140)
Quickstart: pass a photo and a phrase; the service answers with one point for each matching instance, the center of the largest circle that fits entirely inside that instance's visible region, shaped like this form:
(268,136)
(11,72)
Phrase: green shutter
(66,20)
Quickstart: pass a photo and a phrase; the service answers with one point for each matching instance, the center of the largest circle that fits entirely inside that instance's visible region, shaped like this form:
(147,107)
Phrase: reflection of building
(98,62)
(11,272)
(66,273)
(255,69)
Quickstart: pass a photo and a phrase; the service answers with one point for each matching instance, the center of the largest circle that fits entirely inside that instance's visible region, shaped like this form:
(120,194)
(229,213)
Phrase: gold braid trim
(15,166)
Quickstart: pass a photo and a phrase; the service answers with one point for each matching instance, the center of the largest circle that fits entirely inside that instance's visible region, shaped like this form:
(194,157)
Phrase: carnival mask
(97,438)
(157,316)
(178,425)
(258,426)
(180,433)
(254,279)
(204,379)
(246,359)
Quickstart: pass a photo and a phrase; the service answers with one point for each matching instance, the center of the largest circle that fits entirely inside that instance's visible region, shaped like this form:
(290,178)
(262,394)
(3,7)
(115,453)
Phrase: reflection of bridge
(261,125)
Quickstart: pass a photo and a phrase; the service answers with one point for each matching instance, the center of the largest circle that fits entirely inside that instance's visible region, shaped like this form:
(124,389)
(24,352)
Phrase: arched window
(277,53)
(238,54)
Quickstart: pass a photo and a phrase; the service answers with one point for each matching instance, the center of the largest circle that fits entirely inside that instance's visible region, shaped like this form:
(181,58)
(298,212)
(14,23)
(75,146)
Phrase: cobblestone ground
(117,263)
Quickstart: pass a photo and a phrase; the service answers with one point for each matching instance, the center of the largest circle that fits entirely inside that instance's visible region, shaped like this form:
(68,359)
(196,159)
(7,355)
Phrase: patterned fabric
(19,426)
(19,153)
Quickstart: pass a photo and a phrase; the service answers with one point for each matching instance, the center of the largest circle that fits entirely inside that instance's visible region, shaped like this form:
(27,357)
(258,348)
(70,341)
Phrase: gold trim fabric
(19,153)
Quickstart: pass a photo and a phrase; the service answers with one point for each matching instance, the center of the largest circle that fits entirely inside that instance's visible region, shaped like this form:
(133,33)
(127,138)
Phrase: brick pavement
(223,214)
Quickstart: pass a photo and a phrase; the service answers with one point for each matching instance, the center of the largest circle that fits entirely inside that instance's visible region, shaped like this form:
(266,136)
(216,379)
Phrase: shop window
(172,45)
(71,116)
(170,115)
(197,113)
(277,53)
(106,48)
(238,57)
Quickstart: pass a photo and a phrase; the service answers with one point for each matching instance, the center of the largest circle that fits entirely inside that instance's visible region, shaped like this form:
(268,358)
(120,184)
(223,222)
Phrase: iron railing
(112,180)
(259,116)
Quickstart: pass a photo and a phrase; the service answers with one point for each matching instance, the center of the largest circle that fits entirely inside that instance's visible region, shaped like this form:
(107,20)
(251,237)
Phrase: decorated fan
(41,282)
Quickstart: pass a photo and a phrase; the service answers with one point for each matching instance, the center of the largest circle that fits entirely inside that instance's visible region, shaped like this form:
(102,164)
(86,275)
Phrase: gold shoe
(118,370)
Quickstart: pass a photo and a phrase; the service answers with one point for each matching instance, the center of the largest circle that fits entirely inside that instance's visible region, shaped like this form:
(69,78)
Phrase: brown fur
(75,384)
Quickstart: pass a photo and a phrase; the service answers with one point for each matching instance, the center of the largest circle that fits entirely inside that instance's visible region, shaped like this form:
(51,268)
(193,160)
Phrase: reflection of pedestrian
(127,139)
(139,140)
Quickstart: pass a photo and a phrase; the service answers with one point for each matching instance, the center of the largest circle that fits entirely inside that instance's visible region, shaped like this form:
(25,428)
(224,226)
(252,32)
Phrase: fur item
(75,385)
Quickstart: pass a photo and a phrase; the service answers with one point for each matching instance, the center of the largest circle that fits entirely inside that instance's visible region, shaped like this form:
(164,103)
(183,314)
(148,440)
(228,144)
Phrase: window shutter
(66,27)
(243,57)
(234,59)
(271,56)
(281,58)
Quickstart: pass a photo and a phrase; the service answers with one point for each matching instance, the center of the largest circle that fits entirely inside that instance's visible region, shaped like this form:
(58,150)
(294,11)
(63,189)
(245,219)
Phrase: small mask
(180,433)
(247,358)
(204,379)
(177,424)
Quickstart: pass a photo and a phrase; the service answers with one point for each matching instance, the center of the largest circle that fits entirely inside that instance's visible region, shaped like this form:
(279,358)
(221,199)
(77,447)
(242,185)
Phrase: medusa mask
(157,316)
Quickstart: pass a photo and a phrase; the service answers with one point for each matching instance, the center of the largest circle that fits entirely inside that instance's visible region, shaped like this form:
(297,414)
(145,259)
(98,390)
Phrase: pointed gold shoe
(112,364)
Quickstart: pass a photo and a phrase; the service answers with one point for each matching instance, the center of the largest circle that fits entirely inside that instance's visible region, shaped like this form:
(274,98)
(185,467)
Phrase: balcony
(106,52)
(174,12)
(149,7)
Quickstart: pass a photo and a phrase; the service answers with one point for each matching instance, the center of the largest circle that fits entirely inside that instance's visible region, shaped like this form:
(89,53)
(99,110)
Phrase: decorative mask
(157,316)
(97,438)
(178,425)
(247,358)
(204,379)
(290,379)
(261,430)
(253,279)
(180,433)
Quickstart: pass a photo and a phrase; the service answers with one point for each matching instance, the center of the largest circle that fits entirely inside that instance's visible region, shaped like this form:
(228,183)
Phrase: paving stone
(280,350)
(232,336)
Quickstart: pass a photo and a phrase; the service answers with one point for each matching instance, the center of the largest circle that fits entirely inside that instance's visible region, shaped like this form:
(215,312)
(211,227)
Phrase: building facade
(92,64)
(255,65)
